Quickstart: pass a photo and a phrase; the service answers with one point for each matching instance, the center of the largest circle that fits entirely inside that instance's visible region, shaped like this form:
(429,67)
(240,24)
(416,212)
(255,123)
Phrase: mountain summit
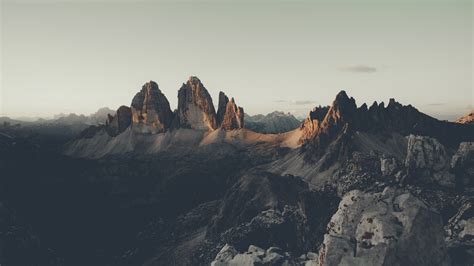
(195,107)
(151,111)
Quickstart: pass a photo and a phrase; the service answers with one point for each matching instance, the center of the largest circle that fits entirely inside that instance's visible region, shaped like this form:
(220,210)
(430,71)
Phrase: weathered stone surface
(222,106)
(463,164)
(151,111)
(233,117)
(226,254)
(460,235)
(258,256)
(388,228)
(388,166)
(229,115)
(195,107)
(427,161)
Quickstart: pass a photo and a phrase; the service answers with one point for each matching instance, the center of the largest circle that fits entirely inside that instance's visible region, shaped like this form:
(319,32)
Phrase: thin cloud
(358,69)
(303,102)
(436,104)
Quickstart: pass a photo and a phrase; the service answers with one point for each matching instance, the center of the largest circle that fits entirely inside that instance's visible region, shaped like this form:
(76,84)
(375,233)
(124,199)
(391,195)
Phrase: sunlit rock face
(195,107)
(312,123)
(120,121)
(229,115)
(467,119)
(325,124)
(151,111)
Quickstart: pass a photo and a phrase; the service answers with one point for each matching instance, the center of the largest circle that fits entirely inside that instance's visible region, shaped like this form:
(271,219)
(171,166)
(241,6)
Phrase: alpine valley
(352,184)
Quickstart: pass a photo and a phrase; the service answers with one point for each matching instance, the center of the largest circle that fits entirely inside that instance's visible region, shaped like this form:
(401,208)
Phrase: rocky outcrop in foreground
(462,164)
(259,256)
(388,228)
(428,161)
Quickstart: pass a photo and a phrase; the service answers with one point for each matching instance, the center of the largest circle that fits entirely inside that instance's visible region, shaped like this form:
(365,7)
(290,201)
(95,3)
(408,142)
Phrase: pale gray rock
(428,162)
(226,254)
(468,229)
(460,235)
(388,166)
(260,252)
(463,164)
(388,228)
(464,156)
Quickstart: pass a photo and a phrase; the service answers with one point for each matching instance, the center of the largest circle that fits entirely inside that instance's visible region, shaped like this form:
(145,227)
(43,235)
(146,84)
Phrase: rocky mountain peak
(322,126)
(327,120)
(233,116)
(194,81)
(222,106)
(195,107)
(151,111)
(229,115)
(119,122)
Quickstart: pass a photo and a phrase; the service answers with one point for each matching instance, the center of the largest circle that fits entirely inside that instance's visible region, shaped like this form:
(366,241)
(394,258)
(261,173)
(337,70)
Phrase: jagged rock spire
(195,107)
(151,111)
(119,122)
(232,115)
(222,106)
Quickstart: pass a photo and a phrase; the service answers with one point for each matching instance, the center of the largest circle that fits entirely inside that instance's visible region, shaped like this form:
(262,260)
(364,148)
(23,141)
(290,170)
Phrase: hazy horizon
(78,56)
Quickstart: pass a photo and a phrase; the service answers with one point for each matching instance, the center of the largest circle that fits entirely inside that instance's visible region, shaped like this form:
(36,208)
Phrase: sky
(72,56)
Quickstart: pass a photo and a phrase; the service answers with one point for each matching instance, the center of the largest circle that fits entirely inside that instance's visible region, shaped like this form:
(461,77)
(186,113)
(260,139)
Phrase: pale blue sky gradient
(78,56)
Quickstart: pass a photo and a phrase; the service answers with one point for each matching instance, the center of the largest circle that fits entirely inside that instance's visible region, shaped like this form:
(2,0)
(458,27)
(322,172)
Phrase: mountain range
(351,184)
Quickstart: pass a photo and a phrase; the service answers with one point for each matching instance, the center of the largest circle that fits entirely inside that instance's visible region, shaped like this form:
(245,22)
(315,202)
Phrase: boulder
(388,166)
(463,164)
(226,254)
(254,256)
(428,162)
(460,234)
(388,228)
